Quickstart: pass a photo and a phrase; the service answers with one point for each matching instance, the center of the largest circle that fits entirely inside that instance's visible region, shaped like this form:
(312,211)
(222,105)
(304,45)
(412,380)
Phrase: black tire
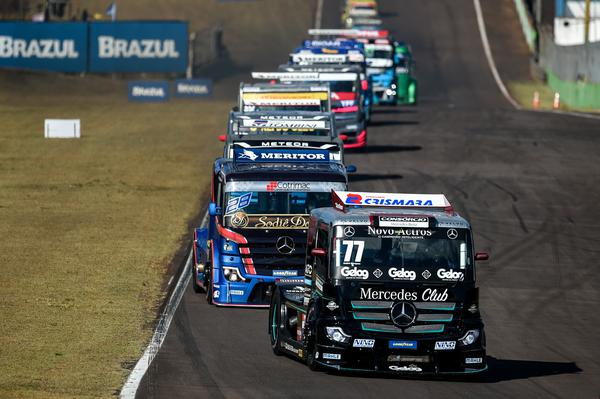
(275,318)
(311,342)
(208,284)
(197,288)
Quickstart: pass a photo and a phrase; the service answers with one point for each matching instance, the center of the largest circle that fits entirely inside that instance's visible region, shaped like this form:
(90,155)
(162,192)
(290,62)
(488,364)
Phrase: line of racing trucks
(354,281)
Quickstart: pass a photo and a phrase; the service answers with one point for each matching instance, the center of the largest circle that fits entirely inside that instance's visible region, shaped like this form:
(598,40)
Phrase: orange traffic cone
(536,100)
(556,102)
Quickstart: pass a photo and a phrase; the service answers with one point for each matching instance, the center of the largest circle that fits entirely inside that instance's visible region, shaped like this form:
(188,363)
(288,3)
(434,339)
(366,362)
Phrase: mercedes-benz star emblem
(403,314)
(285,245)
(349,231)
(452,234)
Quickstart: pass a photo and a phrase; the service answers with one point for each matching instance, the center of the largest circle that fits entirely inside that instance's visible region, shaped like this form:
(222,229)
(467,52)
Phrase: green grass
(89,226)
(522,92)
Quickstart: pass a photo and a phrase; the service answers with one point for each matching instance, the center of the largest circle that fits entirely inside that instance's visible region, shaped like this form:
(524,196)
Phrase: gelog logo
(402,274)
(354,199)
(450,275)
(355,272)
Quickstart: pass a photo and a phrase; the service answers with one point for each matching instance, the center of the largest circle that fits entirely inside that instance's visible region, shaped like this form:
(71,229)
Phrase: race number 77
(360,247)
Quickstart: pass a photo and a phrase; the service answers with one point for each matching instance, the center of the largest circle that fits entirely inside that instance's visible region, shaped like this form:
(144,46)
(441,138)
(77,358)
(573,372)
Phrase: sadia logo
(353,199)
(402,274)
(355,273)
(450,275)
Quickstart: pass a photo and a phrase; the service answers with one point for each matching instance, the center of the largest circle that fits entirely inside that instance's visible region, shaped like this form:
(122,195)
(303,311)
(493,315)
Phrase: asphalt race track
(529,184)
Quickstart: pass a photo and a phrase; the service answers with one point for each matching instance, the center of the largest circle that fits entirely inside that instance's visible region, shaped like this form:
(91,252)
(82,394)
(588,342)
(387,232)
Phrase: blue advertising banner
(138,46)
(60,47)
(193,87)
(149,90)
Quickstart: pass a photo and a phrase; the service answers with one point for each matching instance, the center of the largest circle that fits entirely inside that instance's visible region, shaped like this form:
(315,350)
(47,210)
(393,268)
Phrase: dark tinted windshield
(276,202)
(402,254)
(343,86)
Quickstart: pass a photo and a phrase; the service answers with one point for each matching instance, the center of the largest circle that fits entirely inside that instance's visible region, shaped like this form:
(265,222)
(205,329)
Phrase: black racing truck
(389,286)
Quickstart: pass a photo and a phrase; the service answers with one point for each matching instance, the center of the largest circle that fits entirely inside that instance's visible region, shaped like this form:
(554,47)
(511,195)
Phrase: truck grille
(432,317)
(266,258)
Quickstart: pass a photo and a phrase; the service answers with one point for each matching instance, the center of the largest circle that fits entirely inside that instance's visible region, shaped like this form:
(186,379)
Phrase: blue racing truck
(258,219)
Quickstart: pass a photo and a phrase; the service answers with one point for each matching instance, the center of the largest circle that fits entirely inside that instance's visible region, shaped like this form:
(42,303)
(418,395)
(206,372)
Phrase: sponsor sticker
(445,345)
(402,274)
(290,348)
(242,220)
(363,343)
(473,360)
(332,356)
(288,186)
(403,221)
(284,123)
(450,275)
(412,368)
(237,292)
(428,295)
(285,273)
(399,232)
(403,344)
(240,202)
(281,155)
(355,273)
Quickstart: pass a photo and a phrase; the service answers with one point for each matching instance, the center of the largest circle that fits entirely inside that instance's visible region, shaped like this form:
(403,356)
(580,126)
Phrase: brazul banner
(60,47)
(138,46)
(103,47)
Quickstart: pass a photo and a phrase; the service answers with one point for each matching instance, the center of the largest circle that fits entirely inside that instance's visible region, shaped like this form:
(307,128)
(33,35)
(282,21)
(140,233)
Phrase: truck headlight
(336,334)
(469,338)
(233,274)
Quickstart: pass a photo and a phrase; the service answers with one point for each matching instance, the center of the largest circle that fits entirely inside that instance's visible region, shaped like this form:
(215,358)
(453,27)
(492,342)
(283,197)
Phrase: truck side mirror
(318,252)
(222,137)
(351,169)
(482,256)
(213,209)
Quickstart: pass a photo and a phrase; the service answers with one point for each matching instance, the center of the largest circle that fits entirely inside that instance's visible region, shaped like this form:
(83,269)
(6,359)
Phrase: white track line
(135,378)
(490,59)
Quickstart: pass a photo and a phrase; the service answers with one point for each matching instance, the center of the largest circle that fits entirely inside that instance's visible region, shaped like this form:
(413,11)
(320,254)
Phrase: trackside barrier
(102,47)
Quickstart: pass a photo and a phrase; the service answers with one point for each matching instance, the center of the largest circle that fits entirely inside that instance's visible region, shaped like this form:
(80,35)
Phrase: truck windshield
(280,209)
(401,254)
(342,86)
(285,107)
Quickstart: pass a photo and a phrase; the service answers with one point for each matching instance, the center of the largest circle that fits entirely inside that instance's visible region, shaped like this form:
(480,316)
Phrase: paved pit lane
(528,183)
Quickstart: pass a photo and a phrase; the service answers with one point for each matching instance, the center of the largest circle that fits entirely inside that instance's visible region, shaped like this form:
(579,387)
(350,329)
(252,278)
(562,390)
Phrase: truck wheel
(311,344)
(208,284)
(275,317)
(197,288)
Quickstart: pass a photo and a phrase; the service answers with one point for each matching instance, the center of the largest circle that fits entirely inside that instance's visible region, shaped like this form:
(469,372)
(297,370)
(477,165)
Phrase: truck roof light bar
(344,199)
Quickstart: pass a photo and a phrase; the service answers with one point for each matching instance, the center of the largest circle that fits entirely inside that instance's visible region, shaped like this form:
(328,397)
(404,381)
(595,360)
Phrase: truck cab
(347,98)
(264,97)
(406,81)
(281,131)
(389,286)
(342,52)
(258,219)
(381,69)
